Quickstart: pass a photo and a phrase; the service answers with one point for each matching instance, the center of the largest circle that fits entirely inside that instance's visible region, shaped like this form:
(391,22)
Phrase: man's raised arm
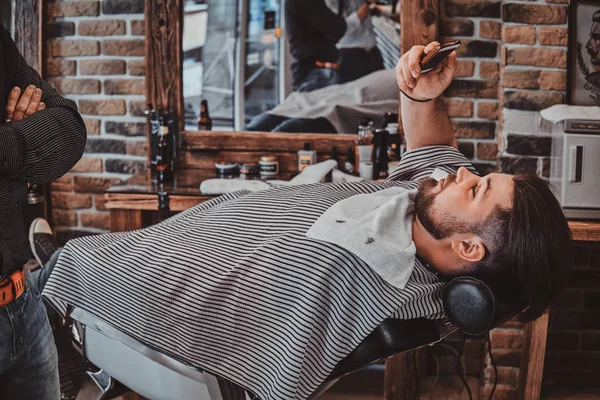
(47,144)
(425,122)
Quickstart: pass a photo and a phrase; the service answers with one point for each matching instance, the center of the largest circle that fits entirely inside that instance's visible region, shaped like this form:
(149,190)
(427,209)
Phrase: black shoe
(42,241)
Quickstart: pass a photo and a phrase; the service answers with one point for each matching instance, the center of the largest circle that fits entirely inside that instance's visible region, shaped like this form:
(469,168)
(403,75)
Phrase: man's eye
(473,189)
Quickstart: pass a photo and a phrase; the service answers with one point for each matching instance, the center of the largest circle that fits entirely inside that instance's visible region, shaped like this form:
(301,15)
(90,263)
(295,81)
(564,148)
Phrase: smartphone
(437,55)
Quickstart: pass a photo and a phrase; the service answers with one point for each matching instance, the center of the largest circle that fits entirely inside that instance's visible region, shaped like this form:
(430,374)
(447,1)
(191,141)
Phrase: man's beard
(444,225)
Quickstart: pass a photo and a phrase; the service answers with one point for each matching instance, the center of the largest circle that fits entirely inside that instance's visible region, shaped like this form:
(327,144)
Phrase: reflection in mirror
(217,63)
(237,57)
(208,59)
(264,72)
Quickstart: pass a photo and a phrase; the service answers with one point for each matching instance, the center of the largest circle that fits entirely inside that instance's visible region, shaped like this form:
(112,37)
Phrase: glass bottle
(204,121)
(164,172)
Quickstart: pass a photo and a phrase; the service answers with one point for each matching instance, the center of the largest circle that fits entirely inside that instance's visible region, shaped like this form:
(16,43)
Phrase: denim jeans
(318,78)
(28,357)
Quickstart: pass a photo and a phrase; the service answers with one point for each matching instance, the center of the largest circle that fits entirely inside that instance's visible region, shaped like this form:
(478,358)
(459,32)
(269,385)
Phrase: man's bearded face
(461,203)
(439,226)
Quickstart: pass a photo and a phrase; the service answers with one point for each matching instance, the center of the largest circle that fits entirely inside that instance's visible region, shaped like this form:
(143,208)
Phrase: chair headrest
(472,307)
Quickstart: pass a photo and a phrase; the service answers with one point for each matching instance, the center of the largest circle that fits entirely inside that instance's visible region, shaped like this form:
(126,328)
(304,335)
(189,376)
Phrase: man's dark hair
(596,17)
(528,247)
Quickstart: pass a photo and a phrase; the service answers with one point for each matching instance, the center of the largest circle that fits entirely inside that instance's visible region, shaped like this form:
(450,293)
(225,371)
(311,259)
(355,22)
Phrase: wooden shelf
(588,231)
(264,141)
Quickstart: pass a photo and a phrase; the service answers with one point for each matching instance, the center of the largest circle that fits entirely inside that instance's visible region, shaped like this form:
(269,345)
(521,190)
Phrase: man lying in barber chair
(271,290)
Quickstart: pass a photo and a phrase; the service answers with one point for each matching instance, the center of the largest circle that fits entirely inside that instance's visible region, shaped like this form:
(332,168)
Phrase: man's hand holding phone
(424,86)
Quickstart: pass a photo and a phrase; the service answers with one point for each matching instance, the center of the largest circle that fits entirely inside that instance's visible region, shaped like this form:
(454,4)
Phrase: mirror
(237,56)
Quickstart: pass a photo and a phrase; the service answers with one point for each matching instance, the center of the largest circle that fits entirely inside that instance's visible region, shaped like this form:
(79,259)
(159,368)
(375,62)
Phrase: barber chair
(118,362)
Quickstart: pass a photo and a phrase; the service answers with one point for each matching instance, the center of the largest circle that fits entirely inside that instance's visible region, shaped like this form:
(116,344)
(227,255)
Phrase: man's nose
(463,175)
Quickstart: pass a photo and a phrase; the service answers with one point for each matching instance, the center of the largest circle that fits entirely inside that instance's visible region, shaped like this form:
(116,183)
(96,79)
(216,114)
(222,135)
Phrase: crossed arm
(41,147)
(48,143)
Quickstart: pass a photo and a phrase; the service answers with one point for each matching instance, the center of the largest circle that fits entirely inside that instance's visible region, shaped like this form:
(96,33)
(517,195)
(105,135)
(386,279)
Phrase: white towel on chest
(377,228)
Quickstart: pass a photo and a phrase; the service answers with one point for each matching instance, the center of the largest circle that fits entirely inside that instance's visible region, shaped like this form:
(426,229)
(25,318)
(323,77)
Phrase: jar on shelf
(226,170)
(268,167)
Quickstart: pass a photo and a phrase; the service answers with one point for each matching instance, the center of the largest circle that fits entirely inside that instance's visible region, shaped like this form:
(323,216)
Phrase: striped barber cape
(234,287)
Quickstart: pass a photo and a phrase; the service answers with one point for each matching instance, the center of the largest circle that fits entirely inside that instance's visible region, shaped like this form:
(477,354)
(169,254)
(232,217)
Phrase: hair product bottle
(306,157)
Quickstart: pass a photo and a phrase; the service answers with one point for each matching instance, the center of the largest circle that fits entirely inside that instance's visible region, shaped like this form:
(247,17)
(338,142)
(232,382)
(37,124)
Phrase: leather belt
(328,65)
(12,287)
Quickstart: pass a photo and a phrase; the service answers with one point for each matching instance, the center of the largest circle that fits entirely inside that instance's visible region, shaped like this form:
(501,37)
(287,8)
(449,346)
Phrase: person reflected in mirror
(359,55)
(313,31)
(334,109)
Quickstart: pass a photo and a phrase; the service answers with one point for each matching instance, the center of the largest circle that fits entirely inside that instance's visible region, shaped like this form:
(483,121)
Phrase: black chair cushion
(472,307)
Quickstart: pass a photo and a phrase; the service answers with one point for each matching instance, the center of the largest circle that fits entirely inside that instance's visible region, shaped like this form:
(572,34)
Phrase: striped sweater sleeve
(47,144)
(420,163)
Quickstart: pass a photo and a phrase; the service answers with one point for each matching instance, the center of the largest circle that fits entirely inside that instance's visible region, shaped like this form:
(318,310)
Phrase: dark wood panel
(28,31)
(268,142)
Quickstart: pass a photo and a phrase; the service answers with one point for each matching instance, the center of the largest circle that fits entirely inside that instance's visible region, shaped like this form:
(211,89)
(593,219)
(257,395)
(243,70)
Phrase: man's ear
(469,248)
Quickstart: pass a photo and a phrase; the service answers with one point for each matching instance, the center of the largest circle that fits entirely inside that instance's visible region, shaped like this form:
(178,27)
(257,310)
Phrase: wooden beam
(163,54)
(419,23)
(532,361)
(400,382)
(164,31)
(267,142)
(588,231)
(419,20)
(28,35)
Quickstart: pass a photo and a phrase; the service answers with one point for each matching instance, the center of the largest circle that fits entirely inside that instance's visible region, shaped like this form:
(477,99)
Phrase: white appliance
(575,167)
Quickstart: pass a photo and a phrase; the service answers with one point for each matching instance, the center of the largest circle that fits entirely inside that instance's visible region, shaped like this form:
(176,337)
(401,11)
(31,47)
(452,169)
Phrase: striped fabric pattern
(387,33)
(234,287)
(37,149)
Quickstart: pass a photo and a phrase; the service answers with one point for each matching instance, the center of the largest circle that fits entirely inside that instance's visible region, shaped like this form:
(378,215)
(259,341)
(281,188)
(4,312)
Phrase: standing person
(313,31)
(38,143)
(359,55)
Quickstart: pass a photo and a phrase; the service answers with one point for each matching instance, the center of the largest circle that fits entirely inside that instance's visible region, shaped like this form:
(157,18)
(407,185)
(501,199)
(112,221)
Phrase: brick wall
(534,59)
(95,56)
(573,348)
(472,99)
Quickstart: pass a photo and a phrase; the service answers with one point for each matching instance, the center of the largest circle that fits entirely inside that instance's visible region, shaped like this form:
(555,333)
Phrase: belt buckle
(15,281)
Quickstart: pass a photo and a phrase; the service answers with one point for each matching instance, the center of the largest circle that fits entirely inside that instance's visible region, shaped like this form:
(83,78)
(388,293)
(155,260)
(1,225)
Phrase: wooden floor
(448,387)
(571,395)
